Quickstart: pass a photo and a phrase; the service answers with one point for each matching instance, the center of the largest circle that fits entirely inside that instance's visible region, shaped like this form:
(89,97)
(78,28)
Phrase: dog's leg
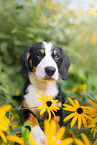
(36,132)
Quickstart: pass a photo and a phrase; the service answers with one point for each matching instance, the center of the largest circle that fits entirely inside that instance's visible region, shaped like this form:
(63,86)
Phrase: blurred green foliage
(27,22)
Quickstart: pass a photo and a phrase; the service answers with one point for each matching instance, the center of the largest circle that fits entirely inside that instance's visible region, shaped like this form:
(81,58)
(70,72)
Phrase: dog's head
(46,60)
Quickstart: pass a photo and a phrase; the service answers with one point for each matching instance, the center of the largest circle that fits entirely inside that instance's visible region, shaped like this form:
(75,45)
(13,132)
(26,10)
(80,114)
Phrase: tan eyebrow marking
(42,51)
(30,63)
(28,54)
(55,52)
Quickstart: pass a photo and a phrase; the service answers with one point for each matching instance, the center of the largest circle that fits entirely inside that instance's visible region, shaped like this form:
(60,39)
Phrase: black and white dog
(43,62)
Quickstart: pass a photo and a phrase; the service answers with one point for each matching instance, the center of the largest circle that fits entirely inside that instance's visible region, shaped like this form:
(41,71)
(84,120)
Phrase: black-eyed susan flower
(4,121)
(16,139)
(79,112)
(48,104)
(51,137)
(84,142)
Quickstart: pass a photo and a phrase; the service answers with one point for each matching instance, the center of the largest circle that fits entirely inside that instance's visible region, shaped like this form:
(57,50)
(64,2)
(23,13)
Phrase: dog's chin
(49,78)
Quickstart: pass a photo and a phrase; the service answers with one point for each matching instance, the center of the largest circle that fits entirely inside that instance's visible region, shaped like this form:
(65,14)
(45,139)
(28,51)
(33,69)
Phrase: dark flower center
(79,110)
(48,103)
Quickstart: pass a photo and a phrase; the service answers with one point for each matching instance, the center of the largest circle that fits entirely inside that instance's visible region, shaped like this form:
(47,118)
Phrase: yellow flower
(80,113)
(4,121)
(92,11)
(85,139)
(47,104)
(80,88)
(15,139)
(51,137)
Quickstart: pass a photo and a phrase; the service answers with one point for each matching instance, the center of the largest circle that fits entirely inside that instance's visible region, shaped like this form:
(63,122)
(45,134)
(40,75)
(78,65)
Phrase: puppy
(42,62)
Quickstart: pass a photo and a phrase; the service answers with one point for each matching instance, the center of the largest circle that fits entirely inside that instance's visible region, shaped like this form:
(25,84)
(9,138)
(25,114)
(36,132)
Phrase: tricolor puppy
(42,62)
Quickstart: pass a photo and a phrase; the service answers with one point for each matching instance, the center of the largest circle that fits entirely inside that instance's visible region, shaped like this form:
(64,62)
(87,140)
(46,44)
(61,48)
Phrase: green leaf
(3,46)
(19,7)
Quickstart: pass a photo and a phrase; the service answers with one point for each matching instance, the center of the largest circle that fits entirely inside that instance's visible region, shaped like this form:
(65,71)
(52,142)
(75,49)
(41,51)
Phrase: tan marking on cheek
(28,54)
(59,104)
(25,104)
(42,51)
(30,63)
(33,121)
(55,52)
(34,69)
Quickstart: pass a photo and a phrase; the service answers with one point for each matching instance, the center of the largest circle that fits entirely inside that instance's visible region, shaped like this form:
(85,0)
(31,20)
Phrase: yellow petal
(41,106)
(53,128)
(71,101)
(60,133)
(41,99)
(55,101)
(78,141)
(43,93)
(85,139)
(50,98)
(67,141)
(69,107)
(79,122)
(49,114)
(73,121)
(31,140)
(53,113)
(77,103)
(84,121)
(69,116)
(2,135)
(46,127)
(42,111)
(87,116)
(91,102)
(15,139)
(55,108)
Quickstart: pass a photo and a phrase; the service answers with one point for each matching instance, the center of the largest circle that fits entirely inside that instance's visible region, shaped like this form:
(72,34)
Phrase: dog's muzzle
(50,70)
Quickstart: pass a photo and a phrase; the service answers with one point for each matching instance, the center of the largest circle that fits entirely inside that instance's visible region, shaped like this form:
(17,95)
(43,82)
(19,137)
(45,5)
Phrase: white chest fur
(31,97)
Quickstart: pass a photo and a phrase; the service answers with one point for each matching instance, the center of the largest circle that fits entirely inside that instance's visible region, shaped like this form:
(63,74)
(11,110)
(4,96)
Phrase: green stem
(24,108)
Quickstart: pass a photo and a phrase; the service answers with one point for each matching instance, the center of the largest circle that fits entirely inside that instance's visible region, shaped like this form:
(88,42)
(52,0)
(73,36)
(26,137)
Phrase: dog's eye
(38,54)
(56,56)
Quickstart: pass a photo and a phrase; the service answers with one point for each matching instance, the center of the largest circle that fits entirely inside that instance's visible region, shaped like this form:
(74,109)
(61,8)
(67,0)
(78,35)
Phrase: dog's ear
(24,60)
(63,70)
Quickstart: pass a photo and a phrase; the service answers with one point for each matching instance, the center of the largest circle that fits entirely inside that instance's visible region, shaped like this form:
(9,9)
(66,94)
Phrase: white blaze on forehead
(47,61)
(48,47)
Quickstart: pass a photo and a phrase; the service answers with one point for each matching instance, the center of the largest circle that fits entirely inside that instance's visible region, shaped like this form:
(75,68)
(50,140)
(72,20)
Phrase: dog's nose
(50,70)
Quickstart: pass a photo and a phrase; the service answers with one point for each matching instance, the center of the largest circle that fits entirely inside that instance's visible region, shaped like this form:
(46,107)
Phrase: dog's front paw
(38,135)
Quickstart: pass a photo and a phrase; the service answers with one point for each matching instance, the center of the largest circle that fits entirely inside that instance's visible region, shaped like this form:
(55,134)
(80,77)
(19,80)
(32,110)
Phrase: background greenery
(27,22)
